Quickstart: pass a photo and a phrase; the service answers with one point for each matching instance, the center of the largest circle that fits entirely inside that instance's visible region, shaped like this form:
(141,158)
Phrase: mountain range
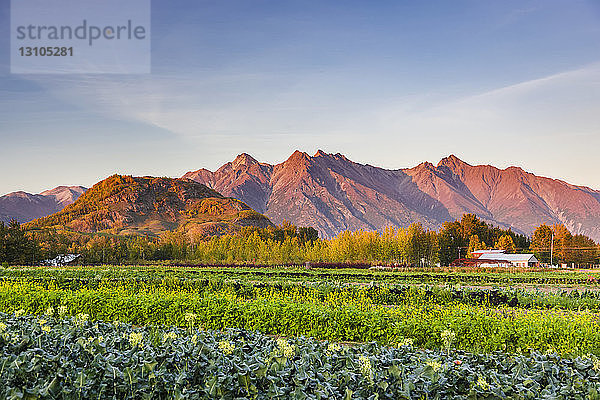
(332,194)
(24,207)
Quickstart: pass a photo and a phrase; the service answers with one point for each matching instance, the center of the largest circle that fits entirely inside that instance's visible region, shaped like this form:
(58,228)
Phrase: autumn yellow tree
(506,243)
(475,244)
(563,241)
(541,242)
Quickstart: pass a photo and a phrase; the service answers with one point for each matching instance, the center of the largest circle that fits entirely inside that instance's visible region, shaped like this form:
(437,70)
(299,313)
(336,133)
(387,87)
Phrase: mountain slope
(64,195)
(243,178)
(25,207)
(332,193)
(513,197)
(147,205)
(328,192)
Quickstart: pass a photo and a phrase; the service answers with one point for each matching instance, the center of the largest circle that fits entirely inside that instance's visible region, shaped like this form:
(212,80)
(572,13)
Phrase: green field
(355,333)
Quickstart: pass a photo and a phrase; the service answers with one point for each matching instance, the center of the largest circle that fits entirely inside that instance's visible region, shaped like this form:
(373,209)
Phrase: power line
(565,248)
(536,248)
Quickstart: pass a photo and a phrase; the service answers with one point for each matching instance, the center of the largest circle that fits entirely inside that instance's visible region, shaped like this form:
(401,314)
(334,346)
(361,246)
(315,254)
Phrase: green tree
(16,245)
(451,241)
(584,250)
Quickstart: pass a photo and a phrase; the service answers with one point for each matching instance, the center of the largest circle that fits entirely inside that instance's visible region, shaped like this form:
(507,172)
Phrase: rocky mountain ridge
(333,193)
(24,207)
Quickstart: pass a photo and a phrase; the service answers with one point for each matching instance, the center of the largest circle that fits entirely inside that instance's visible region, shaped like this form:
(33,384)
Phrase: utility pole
(552,250)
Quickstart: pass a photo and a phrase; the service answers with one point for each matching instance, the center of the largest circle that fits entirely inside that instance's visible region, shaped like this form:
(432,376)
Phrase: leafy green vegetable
(76,358)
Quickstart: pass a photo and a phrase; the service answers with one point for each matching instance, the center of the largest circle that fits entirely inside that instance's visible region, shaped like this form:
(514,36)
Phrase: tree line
(287,243)
(558,243)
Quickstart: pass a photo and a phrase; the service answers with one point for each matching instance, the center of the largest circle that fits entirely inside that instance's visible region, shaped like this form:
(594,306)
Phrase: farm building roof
(514,258)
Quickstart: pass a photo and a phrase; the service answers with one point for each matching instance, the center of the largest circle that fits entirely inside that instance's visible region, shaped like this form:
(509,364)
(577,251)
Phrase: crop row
(336,317)
(380,293)
(433,276)
(75,358)
(479,278)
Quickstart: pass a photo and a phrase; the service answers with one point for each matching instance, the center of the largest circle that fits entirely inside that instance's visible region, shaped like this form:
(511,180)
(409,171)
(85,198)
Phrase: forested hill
(148,205)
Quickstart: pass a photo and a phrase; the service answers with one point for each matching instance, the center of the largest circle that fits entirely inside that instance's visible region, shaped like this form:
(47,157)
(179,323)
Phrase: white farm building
(494,258)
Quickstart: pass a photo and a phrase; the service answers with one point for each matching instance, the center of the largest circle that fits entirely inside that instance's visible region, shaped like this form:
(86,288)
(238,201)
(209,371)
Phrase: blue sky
(389,83)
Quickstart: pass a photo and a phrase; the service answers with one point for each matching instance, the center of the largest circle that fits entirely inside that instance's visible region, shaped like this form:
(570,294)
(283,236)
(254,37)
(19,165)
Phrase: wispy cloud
(551,123)
(563,103)
(234,113)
